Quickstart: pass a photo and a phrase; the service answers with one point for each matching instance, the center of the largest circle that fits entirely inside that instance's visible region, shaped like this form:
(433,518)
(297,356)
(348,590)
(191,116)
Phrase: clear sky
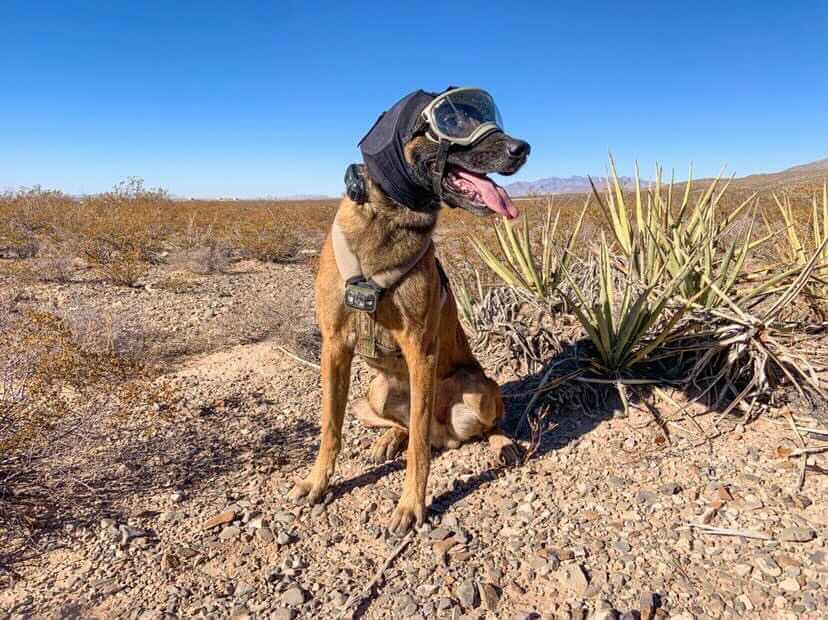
(270,98)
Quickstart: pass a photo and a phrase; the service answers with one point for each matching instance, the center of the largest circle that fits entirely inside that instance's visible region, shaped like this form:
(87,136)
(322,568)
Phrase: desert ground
(160,398)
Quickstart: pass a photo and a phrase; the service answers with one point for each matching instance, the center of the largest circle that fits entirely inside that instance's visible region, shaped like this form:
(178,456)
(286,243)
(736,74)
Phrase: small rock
(283,538)
(107,523)
(240,612)
(265,534)
(427,589)
(646,497)
(789,585)
(443,603)
(256,523)
(489,597)
(573,577)
(616,482)
(243,588)
(128,532)
(742,570)
(219,519)
(816,514)
(767,566)
(229,532)
(466,593)
(605,614)
(671,488)
(439,533)
(797,534)
(293,596)
(169,561)
(282,613)
(338,599)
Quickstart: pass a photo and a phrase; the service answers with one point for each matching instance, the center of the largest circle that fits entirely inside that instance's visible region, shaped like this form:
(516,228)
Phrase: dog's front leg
(336,380)
(420,352)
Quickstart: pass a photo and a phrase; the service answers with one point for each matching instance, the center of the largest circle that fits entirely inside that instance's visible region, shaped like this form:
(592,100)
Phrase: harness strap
(351,270)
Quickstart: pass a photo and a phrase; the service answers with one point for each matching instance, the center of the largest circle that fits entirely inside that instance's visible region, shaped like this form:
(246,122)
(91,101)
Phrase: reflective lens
(458,114)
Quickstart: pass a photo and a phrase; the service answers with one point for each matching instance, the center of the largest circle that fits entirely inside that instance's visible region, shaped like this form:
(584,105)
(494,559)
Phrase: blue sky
(253,99)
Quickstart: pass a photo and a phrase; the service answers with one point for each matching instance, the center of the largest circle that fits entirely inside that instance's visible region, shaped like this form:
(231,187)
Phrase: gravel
(595,525)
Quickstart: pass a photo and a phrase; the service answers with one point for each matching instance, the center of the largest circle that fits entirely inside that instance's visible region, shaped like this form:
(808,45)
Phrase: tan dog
(430,390)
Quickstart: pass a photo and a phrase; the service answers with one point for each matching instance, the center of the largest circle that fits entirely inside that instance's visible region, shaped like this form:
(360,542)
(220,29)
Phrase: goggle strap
(442,159)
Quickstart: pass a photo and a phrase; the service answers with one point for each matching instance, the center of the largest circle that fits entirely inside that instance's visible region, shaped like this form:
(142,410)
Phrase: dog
(430,391)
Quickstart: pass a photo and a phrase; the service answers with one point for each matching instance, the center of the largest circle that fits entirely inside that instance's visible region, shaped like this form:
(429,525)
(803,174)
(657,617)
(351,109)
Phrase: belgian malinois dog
(431,391)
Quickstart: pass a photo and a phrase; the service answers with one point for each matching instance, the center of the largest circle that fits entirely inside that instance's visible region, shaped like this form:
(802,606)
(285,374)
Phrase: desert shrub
(45,269)
(27,219)
(273,239)
(123,231)
(48,369)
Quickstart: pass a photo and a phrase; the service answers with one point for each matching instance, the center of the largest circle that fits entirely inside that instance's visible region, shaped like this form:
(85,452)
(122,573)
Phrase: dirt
(181,510)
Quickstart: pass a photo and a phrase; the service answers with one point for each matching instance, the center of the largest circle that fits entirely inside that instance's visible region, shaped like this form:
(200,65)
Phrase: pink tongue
(492,194)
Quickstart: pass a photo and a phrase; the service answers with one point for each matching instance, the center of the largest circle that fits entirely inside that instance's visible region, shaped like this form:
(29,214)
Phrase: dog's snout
(518,148)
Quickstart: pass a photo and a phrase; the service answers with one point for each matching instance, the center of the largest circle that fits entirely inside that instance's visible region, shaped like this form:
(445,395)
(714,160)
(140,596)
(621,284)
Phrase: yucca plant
(466,300)
(795,252)
(621,331)
(658,233)
(524,265)
(757,351)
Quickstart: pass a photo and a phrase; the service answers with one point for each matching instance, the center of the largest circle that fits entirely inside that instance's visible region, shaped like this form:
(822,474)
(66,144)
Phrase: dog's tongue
(492,194)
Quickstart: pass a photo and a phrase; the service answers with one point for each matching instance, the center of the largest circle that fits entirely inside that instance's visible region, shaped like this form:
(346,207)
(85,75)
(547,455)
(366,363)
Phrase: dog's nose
(518,148)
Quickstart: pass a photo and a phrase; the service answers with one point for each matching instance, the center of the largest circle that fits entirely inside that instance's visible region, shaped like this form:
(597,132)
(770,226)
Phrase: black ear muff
(355,184)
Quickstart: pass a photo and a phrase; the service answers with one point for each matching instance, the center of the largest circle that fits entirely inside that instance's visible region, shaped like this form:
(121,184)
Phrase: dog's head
(417,165)
(464,182)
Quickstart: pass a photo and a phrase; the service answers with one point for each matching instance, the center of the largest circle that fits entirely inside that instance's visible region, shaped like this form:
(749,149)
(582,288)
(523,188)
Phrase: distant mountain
(804,175)
(563,185)
(307,197)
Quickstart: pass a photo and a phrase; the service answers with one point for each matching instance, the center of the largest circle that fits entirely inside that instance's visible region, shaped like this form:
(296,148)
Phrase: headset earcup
(355,184)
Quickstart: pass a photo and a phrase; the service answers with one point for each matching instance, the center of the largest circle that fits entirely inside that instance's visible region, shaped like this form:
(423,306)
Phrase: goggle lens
(457,114)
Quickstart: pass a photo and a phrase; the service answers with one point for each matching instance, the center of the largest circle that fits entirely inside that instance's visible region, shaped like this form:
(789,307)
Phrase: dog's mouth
(479,193)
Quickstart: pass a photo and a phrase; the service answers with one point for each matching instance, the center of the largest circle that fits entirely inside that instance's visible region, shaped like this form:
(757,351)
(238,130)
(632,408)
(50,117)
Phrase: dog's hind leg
(336,378)
(474,408)
(385,406)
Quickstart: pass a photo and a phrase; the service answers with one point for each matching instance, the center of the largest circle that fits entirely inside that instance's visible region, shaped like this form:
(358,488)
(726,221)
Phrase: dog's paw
(388,445)
(406,515)
(309,490)
(506,451)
